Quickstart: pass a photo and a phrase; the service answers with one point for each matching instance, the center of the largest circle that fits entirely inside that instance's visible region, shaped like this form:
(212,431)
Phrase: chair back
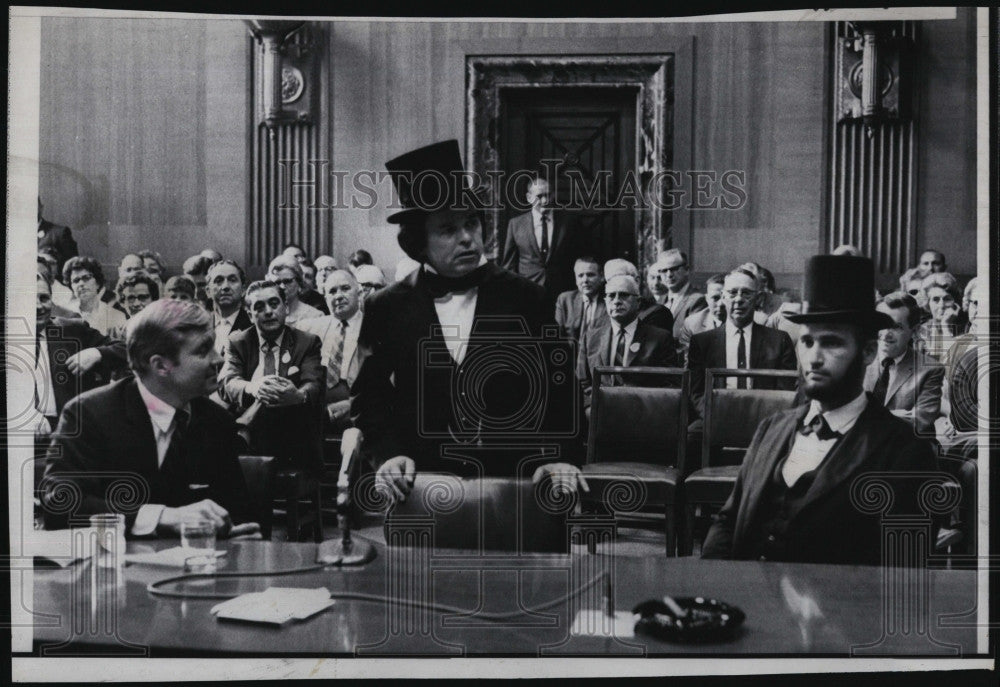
(258,473)
(732,415)
(480,514)
(645,421)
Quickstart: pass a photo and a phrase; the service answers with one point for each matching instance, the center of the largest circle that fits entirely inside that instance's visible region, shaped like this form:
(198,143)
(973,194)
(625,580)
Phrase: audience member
(136,291)
(370,279)
(358,258)
(767,303)
(196,267)
(294,251)
(86,278)
(181,288)
(56,239)
(63,304)
(704,320)
(155,430)
(669,282)
(324,266)
(274,379)
(153,263)
(621,340)
(902,379)
(650,312)
(287,273)
(338,333)
(794,498)
(226,281)
(583,307)
(947,318)
(309,294)
(791,304)
(131,264)
(740,344)
(930,262)
(212,254)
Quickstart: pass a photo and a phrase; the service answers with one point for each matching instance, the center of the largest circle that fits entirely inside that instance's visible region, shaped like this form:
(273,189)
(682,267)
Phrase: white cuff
(147,519)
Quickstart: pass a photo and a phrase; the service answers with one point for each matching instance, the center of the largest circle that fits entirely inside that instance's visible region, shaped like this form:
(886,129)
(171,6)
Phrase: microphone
(346,550)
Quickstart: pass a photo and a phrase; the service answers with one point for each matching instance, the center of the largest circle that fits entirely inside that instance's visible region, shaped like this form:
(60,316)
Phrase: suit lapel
(529,228)
(141,431)
(756,347)
(286,356)
(602,342)
(252,356)
(556,234)
(642,351)
(904,371)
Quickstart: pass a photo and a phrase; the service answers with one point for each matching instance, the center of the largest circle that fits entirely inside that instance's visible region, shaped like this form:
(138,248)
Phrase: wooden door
(590,131)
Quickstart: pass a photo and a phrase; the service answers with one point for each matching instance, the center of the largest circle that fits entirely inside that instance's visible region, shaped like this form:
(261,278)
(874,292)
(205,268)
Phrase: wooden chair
(730,417)
(636,446)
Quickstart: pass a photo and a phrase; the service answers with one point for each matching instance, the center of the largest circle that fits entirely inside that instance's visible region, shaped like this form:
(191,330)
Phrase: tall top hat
(430,179)
(840,288)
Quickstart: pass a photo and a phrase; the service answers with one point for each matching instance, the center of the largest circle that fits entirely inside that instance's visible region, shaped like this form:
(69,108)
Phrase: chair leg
(689,529)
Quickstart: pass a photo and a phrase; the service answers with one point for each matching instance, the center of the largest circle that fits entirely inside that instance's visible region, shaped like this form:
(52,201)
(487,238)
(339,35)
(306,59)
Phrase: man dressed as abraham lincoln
(793,498)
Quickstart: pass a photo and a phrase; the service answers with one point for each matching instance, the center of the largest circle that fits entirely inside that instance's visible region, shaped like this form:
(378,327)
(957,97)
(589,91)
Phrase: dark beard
(843,389)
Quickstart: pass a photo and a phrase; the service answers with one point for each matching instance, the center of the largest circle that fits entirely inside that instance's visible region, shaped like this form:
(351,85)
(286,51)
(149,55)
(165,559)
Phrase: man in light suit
(907,382)
(155,432)
(623,341)
(541,244)
(273,377)
(795,499)
(705,320)
(339,336)
(669,281)
(740,344)
(583,307)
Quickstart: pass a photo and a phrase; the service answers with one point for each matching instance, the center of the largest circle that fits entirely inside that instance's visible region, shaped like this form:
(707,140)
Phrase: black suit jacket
(655,315)
(292,433)
(68,336)
(655,348)
(104,446)
(313,298)
(410,398)
(522,254)
(770,349)
(57,239)
(828,527)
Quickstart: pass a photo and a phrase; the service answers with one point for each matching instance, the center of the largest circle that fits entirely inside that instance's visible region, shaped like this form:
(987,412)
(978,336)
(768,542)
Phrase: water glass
(198,537)
(109,547)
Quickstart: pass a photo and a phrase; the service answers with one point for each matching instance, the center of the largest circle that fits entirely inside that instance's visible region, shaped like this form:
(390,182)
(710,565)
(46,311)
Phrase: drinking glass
(198,537)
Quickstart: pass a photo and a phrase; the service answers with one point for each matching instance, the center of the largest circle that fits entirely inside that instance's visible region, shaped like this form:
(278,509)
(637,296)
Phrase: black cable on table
(154,588)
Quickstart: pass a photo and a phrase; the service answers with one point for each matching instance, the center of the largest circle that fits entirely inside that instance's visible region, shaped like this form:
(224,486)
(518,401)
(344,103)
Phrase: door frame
(657,124)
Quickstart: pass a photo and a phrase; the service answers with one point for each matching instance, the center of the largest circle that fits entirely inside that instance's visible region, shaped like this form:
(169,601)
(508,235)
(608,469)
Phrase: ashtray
(688,619)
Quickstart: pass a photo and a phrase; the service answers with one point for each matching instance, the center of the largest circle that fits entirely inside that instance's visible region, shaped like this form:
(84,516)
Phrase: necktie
(882,385)
(545,237)
(173,454)
(269,368)
(333,366)
(619,360)
(741,359)
(820,426)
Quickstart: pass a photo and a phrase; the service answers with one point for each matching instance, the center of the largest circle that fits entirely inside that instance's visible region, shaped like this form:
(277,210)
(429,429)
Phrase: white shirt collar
(629,328)
(839,419)
(671,295)
(895,361)
(160,412)
(277,342)
(732,330)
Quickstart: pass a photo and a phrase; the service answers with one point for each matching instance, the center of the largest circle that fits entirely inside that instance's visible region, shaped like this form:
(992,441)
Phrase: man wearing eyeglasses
(370,279)
(669,281)
(622,341)
(286,272)
(740,344)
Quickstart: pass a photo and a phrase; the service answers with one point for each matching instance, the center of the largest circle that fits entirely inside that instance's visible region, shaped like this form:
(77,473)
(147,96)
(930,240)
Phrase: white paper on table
(275,605)
(170,558)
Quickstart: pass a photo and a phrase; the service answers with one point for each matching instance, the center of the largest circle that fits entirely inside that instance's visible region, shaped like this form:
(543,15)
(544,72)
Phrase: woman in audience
(86,279)
(947,319)
(287,272)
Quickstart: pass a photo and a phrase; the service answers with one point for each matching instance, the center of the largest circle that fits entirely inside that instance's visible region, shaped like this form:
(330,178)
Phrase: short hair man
(541,244)
(930,262)
(273,377)
(394,400)
(132,263)
(224,288)
(740,344)
(309,294)
(710,318)
(583,307)
(370,280)
(622,341)
(650,312)
(287,273)
(794,498)
(324,266)
(341,355)
(669,279)
(196,267)
(181,288)
(902,379)
(155,431)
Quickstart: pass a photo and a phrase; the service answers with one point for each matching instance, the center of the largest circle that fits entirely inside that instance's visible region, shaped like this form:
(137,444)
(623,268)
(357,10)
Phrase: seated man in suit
(741,343)
(446,318)
(224,288)
(272,376)
(623,341)
(583,307)
(650,312)
(794,498)
(196,267)
(155,432)
(704,320)
(670,283)
(287,273)
(902,379)
(339,336)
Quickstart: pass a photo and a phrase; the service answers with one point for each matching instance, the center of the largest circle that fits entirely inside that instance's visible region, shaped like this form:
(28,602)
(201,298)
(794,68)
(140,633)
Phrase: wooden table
(790,608)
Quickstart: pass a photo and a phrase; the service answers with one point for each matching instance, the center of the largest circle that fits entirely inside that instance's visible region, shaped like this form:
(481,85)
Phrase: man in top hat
(429,396)
(793,498)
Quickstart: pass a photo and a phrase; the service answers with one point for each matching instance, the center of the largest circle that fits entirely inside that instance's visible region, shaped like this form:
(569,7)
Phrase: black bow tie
(441,286)
(821,428)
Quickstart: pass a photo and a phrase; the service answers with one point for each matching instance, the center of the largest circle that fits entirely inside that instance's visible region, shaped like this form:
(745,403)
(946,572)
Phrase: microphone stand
(346,550)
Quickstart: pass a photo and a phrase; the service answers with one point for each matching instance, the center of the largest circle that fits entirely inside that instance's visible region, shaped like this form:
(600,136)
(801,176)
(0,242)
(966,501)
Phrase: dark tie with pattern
(268,349)
(820,426)
(545,238)
(337,359)
(882,385)
(619,360)
(741,359)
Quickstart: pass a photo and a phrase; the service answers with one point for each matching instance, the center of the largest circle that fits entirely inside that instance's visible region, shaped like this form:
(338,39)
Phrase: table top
(790,608)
